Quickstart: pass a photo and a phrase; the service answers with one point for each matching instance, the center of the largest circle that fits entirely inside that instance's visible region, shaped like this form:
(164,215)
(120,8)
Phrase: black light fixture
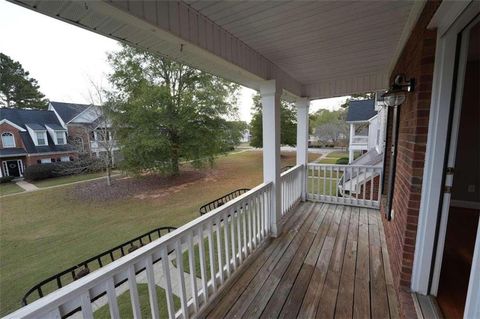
(395,96)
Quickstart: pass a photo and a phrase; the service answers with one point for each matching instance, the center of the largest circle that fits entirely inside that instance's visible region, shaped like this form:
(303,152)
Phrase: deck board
(329,261)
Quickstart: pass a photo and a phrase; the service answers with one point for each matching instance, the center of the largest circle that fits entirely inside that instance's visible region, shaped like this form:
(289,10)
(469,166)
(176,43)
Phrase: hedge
(49,170)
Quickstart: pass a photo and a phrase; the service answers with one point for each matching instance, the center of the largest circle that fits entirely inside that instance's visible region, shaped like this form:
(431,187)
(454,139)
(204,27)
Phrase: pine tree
(17,88)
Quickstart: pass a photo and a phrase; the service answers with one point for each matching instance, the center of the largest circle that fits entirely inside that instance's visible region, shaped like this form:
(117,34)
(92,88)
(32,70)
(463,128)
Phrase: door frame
(450,19)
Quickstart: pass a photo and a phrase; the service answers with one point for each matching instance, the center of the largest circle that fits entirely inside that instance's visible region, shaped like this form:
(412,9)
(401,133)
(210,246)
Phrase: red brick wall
(416,60)
(81,131)
(32,160)
(5,127)
(367,187)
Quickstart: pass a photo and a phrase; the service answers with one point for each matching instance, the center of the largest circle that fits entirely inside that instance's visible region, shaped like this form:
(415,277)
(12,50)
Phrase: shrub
(38,172)
(6,179)
(49,170)
(342,161)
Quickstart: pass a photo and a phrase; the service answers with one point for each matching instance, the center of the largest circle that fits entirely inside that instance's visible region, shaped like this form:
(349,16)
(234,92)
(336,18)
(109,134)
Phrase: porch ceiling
(314,48)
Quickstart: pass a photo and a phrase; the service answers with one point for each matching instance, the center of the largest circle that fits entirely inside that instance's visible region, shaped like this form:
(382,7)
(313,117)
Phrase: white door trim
(436,147)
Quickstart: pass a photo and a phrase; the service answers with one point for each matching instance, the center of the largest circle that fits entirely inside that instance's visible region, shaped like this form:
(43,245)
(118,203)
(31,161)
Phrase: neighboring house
(246,136)
(30,137)
(367,120)
(87,128)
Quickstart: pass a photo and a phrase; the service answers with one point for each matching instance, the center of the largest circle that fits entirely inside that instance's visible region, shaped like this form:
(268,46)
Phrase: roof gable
(68,111)
(361,110)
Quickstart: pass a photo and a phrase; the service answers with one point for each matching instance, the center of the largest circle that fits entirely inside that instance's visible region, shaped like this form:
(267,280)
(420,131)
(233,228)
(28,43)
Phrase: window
(65,158)
(41,138)
(45,160)
(8,140)
(60,137)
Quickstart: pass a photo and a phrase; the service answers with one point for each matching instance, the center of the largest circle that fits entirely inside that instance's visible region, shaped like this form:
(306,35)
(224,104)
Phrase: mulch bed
(153,186)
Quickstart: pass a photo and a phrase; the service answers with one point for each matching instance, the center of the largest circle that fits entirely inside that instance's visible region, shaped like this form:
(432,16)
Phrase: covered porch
(307,242)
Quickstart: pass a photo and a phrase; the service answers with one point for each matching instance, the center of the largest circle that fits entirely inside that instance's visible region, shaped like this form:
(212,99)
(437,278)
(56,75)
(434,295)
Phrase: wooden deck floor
(330,261)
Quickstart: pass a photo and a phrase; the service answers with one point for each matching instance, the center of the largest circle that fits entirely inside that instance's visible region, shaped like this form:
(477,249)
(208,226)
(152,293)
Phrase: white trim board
(12,124)
(436,150)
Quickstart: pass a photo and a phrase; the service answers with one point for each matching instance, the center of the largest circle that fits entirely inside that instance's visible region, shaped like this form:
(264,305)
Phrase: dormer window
(41,138)
(60,135)
(8,140)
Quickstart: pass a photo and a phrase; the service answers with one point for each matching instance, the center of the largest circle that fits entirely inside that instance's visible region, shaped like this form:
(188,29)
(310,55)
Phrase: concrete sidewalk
(28,187)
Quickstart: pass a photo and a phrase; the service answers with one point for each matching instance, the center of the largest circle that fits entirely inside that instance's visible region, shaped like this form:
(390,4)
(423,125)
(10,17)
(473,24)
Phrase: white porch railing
(291,187)
(201,255)
(354,185)
(359,139)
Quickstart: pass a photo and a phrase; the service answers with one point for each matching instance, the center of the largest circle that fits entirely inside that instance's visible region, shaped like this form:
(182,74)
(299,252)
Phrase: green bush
(342,161)
(6,179)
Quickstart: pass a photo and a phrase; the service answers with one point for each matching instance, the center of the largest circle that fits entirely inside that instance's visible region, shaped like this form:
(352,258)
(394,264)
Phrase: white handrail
(291,181)
(356,185)
(247,216)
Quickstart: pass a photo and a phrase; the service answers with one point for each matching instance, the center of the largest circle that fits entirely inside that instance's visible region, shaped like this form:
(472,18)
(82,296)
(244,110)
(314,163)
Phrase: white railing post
(302,141)
(271,92)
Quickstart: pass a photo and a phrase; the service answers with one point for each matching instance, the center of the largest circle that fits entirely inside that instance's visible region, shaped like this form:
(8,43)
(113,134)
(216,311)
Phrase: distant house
(367,120)
(31,137)
(86,127)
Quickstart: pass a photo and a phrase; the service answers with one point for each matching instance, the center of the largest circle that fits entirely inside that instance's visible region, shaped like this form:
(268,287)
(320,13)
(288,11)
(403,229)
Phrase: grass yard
(44,232)
(125,305)
(67,179)
(10,188)
(333,157)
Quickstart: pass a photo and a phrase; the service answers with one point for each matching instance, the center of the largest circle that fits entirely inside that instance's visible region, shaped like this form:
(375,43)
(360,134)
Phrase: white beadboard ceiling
(314,48)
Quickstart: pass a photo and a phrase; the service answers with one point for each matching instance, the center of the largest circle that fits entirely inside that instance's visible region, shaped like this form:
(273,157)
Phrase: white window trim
(13,137)
(64,137)
(5,168)
(44,160)
(44,136)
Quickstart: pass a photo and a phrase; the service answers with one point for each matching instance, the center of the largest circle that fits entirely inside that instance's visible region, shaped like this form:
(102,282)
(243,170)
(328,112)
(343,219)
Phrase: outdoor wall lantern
(395,96)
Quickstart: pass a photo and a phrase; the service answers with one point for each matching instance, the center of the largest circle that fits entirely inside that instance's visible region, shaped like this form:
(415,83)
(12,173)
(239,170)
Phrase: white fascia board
(21,129)
(52,108)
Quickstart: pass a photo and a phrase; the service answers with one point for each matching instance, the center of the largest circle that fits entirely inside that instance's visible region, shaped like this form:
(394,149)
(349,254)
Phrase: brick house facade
(33,137)
(417,60)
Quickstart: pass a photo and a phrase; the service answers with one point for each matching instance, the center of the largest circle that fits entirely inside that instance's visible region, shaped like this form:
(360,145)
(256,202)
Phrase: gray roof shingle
(67,111)
(36,120)
(361,110)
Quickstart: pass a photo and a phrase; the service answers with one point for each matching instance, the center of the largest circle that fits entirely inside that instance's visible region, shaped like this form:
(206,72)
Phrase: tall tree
(329,126)
(288,124)
(166,112)
(17,88)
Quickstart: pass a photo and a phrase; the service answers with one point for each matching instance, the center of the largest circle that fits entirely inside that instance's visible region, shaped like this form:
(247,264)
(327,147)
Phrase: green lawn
(66,179)
(333,157)
(44,232)
(125,305)
(9,188)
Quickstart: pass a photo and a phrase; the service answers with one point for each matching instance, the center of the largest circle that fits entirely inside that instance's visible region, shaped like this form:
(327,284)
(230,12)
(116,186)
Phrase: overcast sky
(65,59)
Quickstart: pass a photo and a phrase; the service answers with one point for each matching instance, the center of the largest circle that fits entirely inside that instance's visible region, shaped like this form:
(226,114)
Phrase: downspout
(393,161)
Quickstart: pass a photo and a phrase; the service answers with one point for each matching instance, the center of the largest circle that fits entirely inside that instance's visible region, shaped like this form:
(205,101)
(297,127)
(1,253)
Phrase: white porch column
(302,140)
(271,92)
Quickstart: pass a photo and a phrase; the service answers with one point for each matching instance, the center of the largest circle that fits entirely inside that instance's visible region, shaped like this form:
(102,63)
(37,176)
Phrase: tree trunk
(175,165)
